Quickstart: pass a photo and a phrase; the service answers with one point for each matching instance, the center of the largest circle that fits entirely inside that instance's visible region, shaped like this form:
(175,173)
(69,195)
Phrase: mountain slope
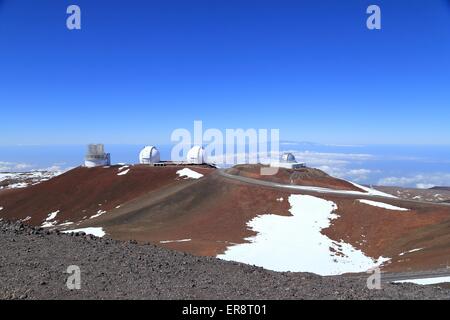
(213,214)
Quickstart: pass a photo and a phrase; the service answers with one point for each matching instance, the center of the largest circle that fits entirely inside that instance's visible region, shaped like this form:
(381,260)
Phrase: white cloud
(313,159)
(359,172)
(356,175)
(359,175)
(422,180)
(26,167)
(56,168)
(53,168)
(23,166)
(326,158)
(425,185)
(350,166)
(14,166)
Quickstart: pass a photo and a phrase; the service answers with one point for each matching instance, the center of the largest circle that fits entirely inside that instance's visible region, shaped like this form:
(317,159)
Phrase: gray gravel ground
(33,265)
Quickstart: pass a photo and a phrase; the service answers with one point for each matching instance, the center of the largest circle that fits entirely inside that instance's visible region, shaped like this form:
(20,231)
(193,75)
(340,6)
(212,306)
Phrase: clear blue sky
(139,69)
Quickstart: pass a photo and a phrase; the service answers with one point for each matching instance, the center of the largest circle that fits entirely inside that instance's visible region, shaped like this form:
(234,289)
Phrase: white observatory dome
(149,155)
(196,155)
(288,157)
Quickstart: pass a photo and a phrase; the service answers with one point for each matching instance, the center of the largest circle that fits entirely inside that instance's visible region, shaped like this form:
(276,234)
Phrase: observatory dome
(149,155)
(196,155)
(288,157)
(96,156)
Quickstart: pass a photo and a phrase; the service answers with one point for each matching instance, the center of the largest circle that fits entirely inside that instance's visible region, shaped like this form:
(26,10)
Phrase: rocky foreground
(33,265)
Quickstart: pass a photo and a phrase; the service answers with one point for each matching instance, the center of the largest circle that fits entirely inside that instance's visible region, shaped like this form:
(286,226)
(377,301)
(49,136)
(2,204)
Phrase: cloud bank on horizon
(404,166)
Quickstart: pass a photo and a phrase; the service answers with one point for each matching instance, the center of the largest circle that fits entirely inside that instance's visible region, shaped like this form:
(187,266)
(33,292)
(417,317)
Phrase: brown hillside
(301,177)
(82,192)
(159,207)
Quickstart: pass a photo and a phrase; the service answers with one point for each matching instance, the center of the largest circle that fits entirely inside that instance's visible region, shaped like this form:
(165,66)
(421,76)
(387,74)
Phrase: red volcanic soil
(211,212)
(302,177)
(155,205)
(390,233)
(82,192)
(159,207)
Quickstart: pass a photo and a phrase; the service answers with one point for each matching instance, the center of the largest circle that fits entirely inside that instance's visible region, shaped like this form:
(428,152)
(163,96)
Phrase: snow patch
(382,205)
(18,185)
(50,220)
(280,199)
(49,224)
(188,173)
(52,215)
(122,173)
(1,208)
(95,231)
(65,224)
(425,281)
(295,243)
(410,251)
(170,241)
(99,213)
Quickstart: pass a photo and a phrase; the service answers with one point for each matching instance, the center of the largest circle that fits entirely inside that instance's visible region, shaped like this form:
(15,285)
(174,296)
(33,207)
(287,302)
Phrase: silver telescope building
(96,156)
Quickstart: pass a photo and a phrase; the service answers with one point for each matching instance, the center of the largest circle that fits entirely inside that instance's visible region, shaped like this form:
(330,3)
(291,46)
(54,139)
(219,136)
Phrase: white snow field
(425,281)
(95,231)
(382,205)
(295,243)
(188,173)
